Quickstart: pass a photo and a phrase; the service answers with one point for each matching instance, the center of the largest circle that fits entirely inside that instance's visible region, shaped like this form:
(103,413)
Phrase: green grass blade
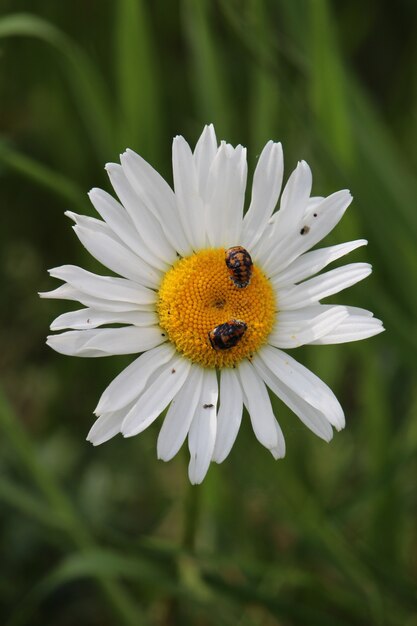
(42,175)
(327,85)
(61,507)
(208,81)
(26,502)
(140,118)
(265,89)
(87,86)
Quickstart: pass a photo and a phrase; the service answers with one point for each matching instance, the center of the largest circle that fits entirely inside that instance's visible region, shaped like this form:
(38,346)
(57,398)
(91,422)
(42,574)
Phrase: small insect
(239,264)
(227,335)
(208,406)
(305,230)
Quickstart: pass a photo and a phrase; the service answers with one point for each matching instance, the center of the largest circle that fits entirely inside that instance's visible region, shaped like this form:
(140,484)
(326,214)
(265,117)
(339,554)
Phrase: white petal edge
(114,255)
(180,414)
(310,416)
(147,225)
(313,262)
(104,287)
(226,184)
(323,286)
(156,396)
(304,383)
(306,331)
(353,328)
(106,341)
(294,198)
(158,197)
(202,435)
(266,187)
(256,399)
(119,220)
(106,426)
(84,319)
(278,250)
(67,292)
(204,153)
(189,202)
(131,382)
(229,416)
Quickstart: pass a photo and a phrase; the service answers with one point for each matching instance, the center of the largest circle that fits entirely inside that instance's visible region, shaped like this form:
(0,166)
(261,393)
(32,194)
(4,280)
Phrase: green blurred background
(108,536)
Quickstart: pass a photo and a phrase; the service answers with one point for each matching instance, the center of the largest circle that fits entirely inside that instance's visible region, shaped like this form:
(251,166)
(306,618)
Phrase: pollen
(197,295)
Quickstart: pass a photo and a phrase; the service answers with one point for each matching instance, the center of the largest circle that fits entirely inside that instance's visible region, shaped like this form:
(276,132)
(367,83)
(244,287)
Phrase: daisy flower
(210,296)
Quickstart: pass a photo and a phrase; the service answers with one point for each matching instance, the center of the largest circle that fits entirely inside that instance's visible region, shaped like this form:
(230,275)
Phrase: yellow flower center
(197,295)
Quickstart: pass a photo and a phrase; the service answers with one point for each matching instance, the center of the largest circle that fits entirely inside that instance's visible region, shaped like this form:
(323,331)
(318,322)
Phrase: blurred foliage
(104,536)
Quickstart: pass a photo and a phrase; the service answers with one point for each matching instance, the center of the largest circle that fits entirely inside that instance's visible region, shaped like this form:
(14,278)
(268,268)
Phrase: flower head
(210,296)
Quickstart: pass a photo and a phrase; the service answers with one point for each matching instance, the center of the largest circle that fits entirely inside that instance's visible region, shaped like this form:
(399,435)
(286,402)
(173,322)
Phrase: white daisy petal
(295,317)
(227,183)
(300,332)
(230,414)
(158,197)
(256,399)
(310,416)
(115,216)
(202,435)
(204,153)
(294,198)
(304,383)
(237,198)
(63,292)
(180,415)
(90,318)
(314,202)
(131,382)
(278,252)
(119,220)
(189,202)
(322,286)
(355,310)
(67,292)
(116,256)
(278,451)
(313,262)
(106,341)
(98,226)
(266,188)
(104,287)
(157,396)
(147,225)
(106,426)
(352,328)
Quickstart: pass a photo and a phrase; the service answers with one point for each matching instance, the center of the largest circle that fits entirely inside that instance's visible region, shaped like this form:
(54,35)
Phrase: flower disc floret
(197,295)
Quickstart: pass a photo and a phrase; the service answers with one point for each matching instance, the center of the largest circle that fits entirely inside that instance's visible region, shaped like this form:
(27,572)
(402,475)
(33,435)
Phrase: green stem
(192,510)
(184,565)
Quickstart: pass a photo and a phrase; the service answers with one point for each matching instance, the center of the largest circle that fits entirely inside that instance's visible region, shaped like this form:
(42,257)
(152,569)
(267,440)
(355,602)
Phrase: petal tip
(277,453)
(72,216)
